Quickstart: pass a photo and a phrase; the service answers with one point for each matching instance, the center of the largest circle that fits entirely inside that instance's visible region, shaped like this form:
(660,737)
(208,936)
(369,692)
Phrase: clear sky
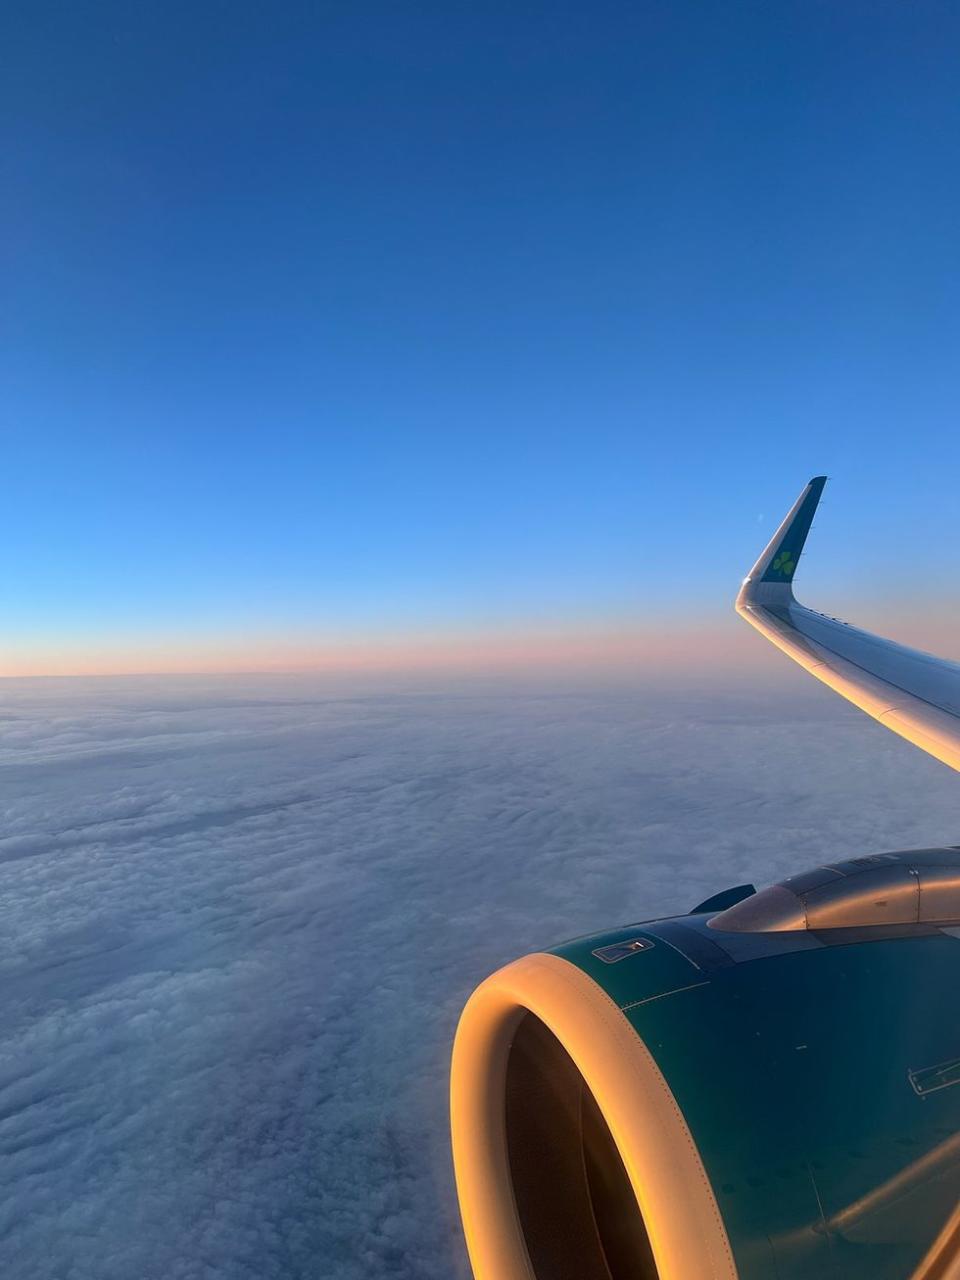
(328,328)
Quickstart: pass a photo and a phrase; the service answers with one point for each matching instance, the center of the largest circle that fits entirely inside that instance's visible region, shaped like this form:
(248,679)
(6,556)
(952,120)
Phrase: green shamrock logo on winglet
(785,563)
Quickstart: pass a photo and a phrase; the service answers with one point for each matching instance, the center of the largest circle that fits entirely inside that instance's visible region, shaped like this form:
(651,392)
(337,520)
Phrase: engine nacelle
(677,1100)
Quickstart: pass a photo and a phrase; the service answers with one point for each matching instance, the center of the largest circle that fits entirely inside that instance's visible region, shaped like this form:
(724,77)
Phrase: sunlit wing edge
(915,694)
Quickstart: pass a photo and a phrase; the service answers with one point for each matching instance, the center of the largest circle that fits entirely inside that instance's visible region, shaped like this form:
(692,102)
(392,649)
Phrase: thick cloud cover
(239,919)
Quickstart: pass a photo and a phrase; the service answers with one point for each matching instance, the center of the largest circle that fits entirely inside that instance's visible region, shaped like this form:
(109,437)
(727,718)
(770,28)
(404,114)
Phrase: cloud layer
(240,918)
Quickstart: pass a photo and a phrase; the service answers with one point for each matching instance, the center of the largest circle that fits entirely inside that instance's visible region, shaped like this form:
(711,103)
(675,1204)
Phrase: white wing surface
(915,694)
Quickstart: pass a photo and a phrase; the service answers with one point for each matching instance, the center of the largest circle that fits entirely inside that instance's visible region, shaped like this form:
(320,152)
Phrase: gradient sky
(337,324)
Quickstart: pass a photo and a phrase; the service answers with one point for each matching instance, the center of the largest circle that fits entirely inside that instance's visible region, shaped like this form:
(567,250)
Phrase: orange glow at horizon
(685,645)
(624,647)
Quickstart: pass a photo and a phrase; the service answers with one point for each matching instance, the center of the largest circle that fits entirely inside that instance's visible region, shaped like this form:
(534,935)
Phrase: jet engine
(764,1089)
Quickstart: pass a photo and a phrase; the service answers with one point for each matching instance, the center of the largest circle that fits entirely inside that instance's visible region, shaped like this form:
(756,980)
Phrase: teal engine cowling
(765,1089)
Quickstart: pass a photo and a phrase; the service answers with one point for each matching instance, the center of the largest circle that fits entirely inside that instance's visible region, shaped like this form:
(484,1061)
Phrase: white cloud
(240,918)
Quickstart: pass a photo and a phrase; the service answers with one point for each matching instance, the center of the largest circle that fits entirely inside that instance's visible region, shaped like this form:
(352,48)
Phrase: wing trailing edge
(912,693)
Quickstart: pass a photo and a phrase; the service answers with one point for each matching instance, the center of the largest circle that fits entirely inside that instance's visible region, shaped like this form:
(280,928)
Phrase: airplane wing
(915,694)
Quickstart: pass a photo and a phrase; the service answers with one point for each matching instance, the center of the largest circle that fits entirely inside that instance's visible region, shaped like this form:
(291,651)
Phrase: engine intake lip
(672,1190)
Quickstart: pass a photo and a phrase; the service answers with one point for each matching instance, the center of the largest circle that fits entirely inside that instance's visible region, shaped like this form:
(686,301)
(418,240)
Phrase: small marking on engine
(620,950)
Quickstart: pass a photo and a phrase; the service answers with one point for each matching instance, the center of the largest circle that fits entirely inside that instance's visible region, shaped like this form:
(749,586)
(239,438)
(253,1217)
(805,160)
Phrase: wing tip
(779,559)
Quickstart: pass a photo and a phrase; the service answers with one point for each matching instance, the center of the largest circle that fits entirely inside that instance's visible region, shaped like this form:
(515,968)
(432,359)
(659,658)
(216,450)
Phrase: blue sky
(342,319)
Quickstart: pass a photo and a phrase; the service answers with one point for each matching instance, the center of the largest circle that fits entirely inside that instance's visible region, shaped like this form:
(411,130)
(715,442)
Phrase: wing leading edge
(915,694)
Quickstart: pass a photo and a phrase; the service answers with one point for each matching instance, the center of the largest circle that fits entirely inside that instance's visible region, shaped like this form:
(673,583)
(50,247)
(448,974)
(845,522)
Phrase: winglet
(915,694)
(778,563)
